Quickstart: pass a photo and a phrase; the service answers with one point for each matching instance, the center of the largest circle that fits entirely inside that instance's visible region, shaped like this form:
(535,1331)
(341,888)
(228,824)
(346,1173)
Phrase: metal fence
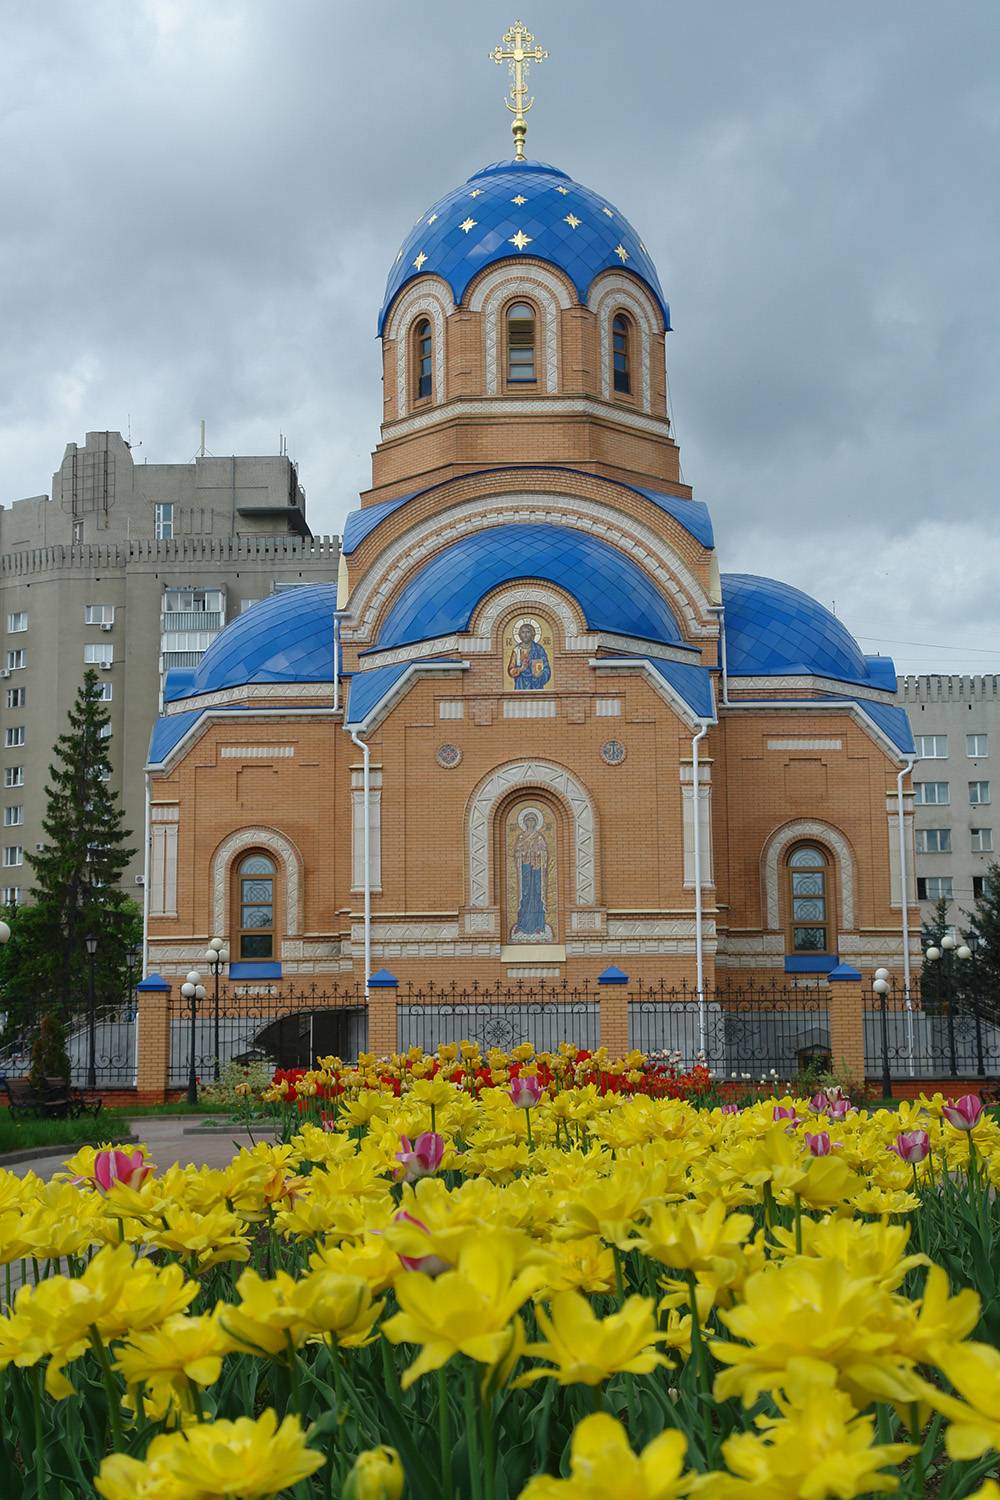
(503,1016)
(743,1030)
(960,1039)
(286,1031)
(115,1036)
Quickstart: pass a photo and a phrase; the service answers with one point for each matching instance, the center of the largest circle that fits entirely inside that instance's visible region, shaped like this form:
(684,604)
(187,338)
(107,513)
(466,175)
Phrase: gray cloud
(199,205)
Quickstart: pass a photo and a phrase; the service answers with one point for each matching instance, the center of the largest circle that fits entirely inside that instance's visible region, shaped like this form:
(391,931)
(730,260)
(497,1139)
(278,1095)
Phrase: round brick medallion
(448,756)
(613,752)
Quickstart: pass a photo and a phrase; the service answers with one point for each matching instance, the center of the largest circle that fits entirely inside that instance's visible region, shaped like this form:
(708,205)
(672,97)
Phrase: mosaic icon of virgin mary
(529,663)
(530,858)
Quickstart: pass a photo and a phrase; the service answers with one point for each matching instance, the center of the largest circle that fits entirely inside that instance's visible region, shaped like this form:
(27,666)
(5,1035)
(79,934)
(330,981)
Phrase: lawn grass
(30,1135)
(178,1107)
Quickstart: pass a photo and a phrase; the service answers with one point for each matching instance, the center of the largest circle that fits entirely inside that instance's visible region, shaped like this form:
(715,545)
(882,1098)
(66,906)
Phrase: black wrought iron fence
(747,1030)
(501,1015)
(937,1038)
(115,1040)
(258,1025)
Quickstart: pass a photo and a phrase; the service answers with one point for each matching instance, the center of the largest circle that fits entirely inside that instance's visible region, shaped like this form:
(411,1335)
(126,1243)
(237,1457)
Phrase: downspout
(336,662)
(698,945)
(904,895)
(366,783)
(145,882)
(720,610)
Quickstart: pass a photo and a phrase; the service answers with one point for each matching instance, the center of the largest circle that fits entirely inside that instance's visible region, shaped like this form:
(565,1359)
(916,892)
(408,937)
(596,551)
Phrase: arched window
(423,348)
(620,353)
(810,901)
(521,342)
(255,903)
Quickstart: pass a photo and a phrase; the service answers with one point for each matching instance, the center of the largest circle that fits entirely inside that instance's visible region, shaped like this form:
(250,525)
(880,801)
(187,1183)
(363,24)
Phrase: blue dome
(773,630)
(613,591)
(287,637)
(601,237)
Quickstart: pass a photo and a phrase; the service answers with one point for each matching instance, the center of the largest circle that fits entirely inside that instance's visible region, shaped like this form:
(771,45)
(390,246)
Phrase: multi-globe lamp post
(90,942)
(949,947)
(217,957)
(192,989)
(881,986)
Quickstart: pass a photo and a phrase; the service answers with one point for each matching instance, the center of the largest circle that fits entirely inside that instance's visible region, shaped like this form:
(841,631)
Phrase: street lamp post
(949,947)
(131,958)
(972,943)
(192,989)
(91,943)
(216,957)
(881,988)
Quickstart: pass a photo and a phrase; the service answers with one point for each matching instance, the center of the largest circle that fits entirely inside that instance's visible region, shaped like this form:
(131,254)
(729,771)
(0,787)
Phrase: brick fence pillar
(153,1036)
(614,1011)
(383,1032)
(847,1020)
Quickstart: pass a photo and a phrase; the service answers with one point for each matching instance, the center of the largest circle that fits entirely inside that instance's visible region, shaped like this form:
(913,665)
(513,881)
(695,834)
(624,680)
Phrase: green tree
(77,874)
(985,920)
(49,1058)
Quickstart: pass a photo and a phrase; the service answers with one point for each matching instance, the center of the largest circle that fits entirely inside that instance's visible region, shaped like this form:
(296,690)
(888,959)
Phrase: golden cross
(519,53)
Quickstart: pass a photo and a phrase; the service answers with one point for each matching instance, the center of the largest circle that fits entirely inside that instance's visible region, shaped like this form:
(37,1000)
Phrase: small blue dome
(514,208)
(613,591)
(773,630)
(287,637)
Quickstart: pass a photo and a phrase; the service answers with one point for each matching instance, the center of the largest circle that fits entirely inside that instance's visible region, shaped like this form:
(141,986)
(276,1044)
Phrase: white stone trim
(824,834)
(542,406)
(535,706)
(523,287)
(622,294)
(508,276)
(805,744)
(483,645)
(523,774)
(255,752)
(163,868)
(421,299)
(825,684)
(569,614)
(282,848)
(649,550)
(245,691)
(704,823)
(374,834)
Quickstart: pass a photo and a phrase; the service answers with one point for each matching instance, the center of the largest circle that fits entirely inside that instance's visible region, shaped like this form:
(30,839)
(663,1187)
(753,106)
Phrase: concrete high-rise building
(132,569)
(956,731)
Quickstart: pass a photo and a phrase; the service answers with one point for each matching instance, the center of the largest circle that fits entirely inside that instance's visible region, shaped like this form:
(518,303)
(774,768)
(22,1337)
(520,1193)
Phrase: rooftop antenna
(128,432)
(201,451)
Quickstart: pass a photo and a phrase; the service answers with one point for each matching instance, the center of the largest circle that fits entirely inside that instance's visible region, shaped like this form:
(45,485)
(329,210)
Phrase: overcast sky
(200,201)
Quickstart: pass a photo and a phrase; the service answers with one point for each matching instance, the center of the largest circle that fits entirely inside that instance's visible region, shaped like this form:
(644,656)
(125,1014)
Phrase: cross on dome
(519,52)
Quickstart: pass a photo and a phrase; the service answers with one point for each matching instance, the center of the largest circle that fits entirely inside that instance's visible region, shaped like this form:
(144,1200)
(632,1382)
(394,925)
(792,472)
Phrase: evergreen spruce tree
(985,919)
(77,874)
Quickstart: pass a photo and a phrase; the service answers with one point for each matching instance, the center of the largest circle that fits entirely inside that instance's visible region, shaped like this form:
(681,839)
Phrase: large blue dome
(287,637)
(774,630)
(613,591)
(520,207)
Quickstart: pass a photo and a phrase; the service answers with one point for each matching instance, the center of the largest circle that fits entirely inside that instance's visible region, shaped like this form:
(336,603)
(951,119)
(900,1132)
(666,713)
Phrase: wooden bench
(57,1101)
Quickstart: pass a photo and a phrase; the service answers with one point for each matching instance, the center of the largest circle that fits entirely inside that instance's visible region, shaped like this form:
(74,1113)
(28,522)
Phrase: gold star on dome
(420,260)
(643,248)
(519,200)
(562,190)
(572,221)
(621,252)
(399,257)
(520,239)
(608,212)
(431,219)
(469,224)
(477,192)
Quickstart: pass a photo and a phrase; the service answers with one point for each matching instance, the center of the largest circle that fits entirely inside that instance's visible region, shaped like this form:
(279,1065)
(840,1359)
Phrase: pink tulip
(820,1144)
(429,1265)
(786,1114)
(525,1091)
(730,1109)
(912,1146)
(963,1113)
(834,1102)
(423,1157)
(111,1166)
(840,1108)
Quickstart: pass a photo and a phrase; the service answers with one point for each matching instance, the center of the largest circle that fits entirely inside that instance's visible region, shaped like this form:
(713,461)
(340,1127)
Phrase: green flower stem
(110,1389)
(920,1478)
(798,1225)
(293,1375)
(701,1358)
(489,1448)
(471,1433)
(597,1396)
(619,1279)
(36,1401)
(527,1121)
(444,1433)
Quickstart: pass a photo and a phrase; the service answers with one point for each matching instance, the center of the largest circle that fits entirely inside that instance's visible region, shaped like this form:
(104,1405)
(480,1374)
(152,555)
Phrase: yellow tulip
(586,1349)
(603,1466)
(376,1475)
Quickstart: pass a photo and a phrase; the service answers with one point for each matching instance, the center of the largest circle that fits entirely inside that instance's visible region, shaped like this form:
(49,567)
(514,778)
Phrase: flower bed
(503,1276)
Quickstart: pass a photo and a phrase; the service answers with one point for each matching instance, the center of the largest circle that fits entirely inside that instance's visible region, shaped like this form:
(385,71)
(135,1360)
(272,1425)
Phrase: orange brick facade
(482,794)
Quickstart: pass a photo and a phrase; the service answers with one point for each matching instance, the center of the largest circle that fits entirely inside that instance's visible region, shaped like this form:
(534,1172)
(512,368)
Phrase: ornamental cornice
(528,406)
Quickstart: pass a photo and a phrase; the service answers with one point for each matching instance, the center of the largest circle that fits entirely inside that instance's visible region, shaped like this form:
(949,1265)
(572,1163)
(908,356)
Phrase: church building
(533,734)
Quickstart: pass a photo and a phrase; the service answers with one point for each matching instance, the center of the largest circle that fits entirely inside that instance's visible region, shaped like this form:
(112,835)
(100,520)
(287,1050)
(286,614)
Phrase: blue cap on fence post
(844,971)
(383,980)
(612,975)
(153,982)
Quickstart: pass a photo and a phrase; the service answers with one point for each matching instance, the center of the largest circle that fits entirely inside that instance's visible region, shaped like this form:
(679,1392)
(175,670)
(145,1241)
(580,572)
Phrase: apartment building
(132,569)
(956,731)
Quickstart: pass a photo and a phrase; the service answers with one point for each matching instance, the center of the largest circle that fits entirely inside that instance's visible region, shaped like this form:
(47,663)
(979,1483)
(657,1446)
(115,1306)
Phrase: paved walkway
(170,1138)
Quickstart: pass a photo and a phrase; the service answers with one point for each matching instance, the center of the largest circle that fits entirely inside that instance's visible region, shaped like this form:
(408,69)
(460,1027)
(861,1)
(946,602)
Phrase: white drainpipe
(904,897)
(366,783)
(145,881)
(698,945)
(336,661)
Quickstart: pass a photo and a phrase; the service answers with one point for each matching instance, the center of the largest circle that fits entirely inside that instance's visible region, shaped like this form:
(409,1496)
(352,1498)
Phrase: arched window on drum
(423,350)
(621,354)
(255,878)
(521,342)
(809,877)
